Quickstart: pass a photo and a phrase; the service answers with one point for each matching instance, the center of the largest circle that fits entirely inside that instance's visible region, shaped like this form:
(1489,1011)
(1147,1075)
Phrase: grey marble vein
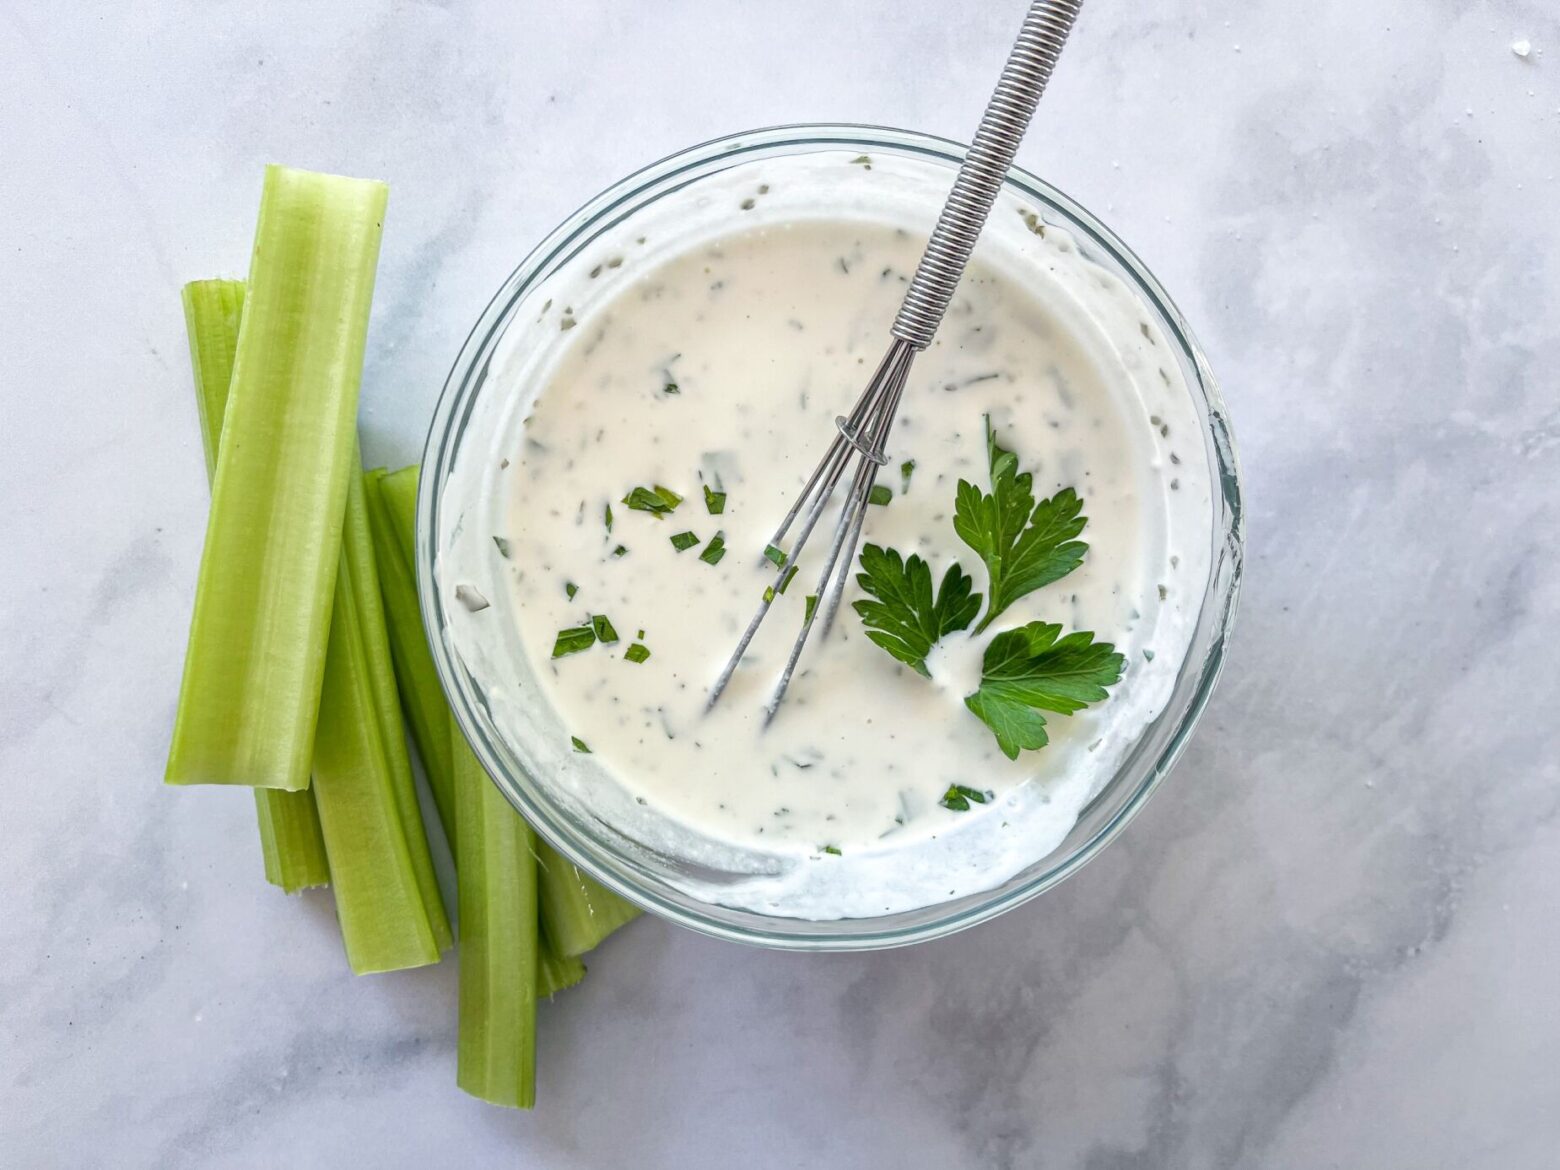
(1329,942)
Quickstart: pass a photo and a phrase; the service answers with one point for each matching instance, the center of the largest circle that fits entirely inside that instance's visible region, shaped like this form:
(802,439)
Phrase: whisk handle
(984,168)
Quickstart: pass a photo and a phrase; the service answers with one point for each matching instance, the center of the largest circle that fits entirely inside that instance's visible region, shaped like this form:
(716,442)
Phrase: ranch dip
(715,372)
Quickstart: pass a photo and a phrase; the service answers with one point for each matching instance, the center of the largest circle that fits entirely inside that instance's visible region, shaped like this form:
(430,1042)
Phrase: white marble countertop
(1331,940)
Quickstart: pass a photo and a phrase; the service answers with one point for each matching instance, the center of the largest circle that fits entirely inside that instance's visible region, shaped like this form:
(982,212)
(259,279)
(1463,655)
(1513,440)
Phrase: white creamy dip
(721,365)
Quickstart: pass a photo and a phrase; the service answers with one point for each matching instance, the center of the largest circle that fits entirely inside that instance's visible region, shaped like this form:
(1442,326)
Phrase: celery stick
(252,672)
(496,1045)
(555,971)
(577,910)
(290,840)
(422,698)
(390,917)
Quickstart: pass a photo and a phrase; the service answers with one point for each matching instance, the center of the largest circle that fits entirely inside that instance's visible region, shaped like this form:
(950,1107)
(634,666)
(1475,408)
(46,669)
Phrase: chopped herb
(714,550)
(775,556)
(769,594)
(880,494)
(714,502)
(863,160)
(573,640)
(1032,669)
(811,607)
(670,388)
(638,652)
(958,797)
(504,547)
(602,625)
(609,517)
(903,616)
(640,635)
(832,850)
(785,582)
(579,745)
(658,501)
(570,589)
(621,550)
(683,541)
(906,470)
(1024,545)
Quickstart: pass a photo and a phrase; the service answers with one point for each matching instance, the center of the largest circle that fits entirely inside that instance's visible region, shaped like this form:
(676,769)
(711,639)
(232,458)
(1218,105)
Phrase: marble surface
(1331,939)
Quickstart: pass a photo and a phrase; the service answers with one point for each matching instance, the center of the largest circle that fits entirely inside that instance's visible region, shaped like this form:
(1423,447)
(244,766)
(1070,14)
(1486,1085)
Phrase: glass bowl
(565,265)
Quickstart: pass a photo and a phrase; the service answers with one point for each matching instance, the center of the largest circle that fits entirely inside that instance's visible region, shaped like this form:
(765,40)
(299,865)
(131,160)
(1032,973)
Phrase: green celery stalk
(386,897)
(290,840)
(250,694)
(499,951)
(555,971)
(577,910)
(422,698)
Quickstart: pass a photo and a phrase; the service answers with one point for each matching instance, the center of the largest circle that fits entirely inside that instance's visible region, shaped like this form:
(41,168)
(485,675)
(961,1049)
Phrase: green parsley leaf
(658,501)
(959,796)
(903,617)
(579,745)
(714,550)
(714,501)
(1032,669)
(602,626)
(570,589)
(638,652)
(774,556)
(881,494)
(684,541)
(573,640)
(906,470)
(1024,545)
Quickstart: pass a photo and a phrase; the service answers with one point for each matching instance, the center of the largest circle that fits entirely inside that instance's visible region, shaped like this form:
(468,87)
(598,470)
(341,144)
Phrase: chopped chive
(504,547)
(579,745)
(714,501)
(881,494)
(621,550)
(658,501)
(602,625)
(958,797)
(906,470)
(573,640)
(684,541)
(638,652)
(785,582)
(640,635)
(570,589)
(714,550)
(812,607)
(832,850)
(775,556)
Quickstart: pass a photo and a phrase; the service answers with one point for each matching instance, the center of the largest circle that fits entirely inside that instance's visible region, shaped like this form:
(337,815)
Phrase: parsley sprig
(1024,545)
(1024,671)
(903,616)
(1032,669)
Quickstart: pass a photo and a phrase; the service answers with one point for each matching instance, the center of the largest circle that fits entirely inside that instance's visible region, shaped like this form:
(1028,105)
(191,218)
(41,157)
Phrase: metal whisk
(864,431)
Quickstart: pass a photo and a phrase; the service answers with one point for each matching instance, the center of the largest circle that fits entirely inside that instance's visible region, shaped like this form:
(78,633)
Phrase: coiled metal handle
(984,168)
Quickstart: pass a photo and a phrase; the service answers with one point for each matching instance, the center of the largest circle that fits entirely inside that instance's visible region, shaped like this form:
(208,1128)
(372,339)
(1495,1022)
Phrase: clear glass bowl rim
(453,410)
